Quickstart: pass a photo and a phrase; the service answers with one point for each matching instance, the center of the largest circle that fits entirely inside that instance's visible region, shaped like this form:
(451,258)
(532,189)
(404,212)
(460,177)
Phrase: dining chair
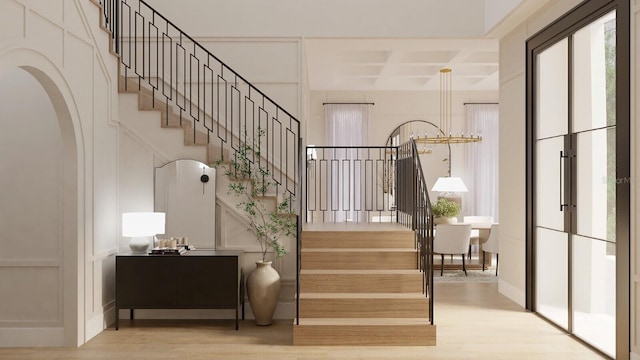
(452,239)
(492,245)
(475,233)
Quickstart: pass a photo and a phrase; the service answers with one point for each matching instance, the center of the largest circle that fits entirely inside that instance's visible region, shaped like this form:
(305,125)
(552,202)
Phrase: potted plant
(251,183)
(445,211)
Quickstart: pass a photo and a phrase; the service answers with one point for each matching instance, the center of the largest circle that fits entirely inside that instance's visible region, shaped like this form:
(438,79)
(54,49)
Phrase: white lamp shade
(135,224)
(449,184)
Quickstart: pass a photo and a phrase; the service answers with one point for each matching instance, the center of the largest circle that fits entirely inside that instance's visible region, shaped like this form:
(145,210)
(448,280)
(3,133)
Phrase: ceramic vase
(263,290)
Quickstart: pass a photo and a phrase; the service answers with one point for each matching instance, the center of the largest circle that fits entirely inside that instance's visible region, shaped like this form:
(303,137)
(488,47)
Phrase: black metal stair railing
(414,210)
(196,90)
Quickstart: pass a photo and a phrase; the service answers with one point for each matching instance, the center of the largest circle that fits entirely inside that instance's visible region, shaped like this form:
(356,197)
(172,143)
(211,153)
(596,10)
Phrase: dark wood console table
(197,279)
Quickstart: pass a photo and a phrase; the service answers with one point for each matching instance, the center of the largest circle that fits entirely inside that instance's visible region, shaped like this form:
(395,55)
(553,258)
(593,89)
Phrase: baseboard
(32,337)
(516,295)
(94,326)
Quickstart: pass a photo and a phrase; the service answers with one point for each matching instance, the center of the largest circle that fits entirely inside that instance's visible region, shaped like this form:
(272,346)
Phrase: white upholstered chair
(452,239)
(491,245)
(475,233)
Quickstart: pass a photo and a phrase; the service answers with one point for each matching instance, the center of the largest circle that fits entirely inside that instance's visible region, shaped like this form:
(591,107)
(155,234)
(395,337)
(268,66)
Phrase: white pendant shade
(449,184)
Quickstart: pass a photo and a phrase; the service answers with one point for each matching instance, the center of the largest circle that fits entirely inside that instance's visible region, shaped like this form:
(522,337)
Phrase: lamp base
(139,244)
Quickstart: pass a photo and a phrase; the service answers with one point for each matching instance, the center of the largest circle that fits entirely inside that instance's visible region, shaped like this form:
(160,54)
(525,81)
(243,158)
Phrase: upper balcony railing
(351,183)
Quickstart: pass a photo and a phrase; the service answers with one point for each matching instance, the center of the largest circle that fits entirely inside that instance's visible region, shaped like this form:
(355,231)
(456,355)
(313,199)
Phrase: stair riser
(364,308)
(361,283)
(408,335)
(360,260)
(357,239)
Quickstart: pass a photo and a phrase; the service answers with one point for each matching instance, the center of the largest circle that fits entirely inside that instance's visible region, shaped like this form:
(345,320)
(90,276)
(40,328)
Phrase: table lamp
(447,186)
(140,226)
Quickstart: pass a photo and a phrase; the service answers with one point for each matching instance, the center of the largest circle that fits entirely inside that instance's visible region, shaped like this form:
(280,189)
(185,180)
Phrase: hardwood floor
(474,322)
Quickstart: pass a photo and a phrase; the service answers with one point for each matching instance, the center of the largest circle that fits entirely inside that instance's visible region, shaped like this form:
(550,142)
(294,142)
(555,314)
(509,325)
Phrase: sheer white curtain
(481,162)
(347,125)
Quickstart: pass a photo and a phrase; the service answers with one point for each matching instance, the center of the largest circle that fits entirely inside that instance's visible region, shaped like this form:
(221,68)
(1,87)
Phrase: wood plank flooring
(474,322)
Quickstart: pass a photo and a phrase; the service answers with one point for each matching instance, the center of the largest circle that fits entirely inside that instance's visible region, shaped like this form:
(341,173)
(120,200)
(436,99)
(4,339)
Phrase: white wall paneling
(79,82)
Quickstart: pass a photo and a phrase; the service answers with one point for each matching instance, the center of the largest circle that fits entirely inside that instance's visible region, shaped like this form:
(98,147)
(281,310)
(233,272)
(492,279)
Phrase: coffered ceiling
(400,64)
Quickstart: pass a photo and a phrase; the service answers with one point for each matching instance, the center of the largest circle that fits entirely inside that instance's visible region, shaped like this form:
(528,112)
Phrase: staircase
(361,285)
(356,286)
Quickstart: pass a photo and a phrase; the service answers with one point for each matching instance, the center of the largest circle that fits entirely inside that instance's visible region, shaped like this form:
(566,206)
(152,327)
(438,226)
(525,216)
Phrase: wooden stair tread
(359,272)
(359,250)
(363,321)
(308,295)
(350,226)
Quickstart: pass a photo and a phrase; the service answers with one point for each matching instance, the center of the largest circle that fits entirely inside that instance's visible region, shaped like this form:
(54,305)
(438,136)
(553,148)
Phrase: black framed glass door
(577,161)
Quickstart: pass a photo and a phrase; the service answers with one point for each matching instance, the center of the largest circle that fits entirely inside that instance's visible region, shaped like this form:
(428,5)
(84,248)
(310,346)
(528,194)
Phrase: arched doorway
(39,263)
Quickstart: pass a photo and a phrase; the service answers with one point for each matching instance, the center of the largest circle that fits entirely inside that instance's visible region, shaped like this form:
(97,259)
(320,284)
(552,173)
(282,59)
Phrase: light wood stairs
(361,286)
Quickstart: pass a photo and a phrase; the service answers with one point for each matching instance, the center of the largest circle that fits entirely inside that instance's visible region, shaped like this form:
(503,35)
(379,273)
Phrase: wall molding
(31,263)
(31,337)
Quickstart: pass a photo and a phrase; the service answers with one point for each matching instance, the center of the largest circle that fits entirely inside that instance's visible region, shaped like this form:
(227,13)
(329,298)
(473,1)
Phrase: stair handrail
(134,21)
(414,203)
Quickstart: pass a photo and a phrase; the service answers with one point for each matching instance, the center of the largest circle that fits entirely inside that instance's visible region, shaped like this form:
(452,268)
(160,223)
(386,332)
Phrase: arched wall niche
(69,330)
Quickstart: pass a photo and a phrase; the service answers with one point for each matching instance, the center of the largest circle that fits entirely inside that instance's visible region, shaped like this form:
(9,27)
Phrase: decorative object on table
(269,223)
(173,246)
(445,212)
(141,226)
(167,251)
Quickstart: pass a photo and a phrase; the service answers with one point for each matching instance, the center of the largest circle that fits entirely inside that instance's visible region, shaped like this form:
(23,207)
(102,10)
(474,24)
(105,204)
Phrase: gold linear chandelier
(445,135)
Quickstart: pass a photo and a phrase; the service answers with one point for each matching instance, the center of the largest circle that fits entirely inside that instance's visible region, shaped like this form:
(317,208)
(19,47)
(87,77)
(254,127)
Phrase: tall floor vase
(263,290)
